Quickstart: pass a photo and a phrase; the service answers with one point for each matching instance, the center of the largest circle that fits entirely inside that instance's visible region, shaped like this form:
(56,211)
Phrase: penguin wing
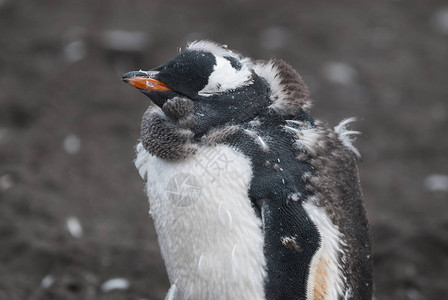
(291,241)
(277,191)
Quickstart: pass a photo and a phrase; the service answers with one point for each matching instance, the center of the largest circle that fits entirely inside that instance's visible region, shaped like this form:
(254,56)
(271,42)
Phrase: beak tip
(143,81)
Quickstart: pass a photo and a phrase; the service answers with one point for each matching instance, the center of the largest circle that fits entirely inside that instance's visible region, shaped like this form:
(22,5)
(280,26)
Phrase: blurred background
(73,215)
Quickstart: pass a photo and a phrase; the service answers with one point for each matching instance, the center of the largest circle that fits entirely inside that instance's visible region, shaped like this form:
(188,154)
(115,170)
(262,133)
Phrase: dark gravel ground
(68,127)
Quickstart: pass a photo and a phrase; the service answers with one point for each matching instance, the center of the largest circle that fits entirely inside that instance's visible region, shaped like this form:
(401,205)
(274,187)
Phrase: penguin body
(251,197)
(199,209)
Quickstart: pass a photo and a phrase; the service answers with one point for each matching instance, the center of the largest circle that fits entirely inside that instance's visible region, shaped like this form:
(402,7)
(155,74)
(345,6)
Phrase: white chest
(210,238)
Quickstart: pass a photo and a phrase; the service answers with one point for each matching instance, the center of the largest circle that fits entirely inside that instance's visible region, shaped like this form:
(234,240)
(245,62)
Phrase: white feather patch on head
(215,49)
(225,77)
(271,73)
(325,266)
(347,136)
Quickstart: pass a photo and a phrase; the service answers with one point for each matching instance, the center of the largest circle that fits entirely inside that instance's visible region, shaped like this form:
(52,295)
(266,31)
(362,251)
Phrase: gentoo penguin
(250,196)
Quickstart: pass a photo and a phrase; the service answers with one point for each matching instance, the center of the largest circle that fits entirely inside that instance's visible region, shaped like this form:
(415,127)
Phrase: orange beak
(145,83)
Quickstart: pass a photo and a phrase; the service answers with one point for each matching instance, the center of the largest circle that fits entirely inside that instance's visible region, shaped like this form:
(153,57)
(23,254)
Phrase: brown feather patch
(320,284)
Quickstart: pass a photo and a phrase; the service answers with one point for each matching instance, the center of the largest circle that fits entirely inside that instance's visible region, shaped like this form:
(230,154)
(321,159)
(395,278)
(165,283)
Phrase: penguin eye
(228,75)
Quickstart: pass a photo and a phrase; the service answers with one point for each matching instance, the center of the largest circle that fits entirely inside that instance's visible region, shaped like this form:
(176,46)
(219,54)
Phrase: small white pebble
(440,20)
(413,294)
(122,40)
(3,133)
(115,284)
(274,38)
(4,3)
(75,51)
(74,227)
(339,73)
(437,183)
(72,144)
(47,281)
(6,182)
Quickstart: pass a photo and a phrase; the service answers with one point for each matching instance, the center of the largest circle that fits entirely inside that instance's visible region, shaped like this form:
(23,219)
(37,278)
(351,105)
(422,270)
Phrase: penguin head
(224,86)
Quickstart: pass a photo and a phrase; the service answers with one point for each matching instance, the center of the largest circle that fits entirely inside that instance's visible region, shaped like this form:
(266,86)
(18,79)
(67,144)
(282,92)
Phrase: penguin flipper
(291,240)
